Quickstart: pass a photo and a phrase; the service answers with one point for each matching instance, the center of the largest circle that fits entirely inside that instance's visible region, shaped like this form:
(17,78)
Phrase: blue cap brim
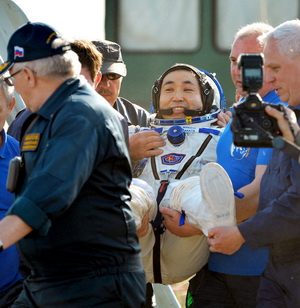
(5,67)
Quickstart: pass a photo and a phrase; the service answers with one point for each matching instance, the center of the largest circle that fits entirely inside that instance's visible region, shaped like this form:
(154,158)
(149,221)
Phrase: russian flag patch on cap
(19,52)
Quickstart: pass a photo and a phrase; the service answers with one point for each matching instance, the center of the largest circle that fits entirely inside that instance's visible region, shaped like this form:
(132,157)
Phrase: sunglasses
(112,76)
(10,79)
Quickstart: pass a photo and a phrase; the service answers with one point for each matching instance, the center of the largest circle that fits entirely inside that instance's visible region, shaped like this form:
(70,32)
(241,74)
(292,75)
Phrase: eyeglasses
(112,76)
(10,79)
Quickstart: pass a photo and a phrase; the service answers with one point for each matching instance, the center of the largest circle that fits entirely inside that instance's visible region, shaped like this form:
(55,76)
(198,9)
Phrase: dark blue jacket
(276,224)
(75,190)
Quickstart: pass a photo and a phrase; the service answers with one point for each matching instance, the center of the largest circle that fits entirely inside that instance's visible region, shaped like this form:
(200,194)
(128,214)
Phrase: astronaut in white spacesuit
(184,177)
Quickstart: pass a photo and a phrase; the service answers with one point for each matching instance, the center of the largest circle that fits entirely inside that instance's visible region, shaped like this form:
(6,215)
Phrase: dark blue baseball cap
(32,41)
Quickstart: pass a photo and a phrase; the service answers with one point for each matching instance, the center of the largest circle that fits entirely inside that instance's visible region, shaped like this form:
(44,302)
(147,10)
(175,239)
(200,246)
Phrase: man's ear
(97,79)
(30,77)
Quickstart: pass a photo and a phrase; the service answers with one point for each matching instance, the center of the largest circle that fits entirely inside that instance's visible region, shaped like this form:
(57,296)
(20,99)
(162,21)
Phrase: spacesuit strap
(154,168)
(158,229)
(192,158)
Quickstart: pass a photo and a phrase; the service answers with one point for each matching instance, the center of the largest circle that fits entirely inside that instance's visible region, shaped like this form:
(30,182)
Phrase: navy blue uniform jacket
(75,190)
(277,222)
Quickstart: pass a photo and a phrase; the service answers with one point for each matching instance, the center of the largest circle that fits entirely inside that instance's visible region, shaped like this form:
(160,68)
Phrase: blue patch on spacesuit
(172,159)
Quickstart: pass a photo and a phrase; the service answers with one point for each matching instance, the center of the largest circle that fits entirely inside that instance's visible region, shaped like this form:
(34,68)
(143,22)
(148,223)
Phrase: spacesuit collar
(185,121)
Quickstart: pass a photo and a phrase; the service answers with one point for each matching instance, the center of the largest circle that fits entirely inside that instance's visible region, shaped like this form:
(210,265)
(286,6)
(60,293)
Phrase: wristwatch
(1,246)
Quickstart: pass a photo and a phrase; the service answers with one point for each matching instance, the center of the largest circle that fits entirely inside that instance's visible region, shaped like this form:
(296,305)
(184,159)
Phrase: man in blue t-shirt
(10,278)
(233,280)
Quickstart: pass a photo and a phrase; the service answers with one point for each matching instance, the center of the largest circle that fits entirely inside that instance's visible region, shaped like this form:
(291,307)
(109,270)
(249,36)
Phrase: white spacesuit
(175,179)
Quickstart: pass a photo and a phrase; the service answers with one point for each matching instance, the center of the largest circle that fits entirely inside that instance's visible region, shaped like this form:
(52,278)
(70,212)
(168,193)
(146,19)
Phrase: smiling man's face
(180,90)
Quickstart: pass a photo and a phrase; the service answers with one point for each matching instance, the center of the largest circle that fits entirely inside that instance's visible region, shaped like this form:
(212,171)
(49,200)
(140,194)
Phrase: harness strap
(154,169)
(158,229)
(192,158)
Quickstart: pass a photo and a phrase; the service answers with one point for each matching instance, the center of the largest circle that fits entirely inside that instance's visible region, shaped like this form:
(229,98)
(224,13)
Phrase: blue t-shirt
(9,258)
(240,164)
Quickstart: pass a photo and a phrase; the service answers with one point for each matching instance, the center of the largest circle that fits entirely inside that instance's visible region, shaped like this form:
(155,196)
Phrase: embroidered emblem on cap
(4,65)
(172,159)
(19,52)
(49,39)
(31,142)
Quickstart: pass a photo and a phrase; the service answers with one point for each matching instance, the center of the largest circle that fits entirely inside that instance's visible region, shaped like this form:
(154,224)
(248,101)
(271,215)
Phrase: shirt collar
(57,99)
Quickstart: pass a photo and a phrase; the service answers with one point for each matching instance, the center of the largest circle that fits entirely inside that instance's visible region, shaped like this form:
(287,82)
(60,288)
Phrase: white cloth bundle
(207,200)
(143,201)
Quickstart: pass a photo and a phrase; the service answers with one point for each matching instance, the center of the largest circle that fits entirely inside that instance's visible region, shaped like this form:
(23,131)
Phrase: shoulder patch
(31,142)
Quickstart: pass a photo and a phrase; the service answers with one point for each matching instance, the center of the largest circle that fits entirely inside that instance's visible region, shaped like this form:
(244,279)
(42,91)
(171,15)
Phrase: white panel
(233,14)
(159,25)
(73,19)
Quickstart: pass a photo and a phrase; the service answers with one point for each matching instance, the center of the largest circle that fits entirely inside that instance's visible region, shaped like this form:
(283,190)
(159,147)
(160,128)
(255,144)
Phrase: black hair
(207,92)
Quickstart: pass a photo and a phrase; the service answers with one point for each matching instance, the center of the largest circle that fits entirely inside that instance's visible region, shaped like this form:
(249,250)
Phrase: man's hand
(226,240)
(171,222)
(223,118)
(283,123)
(145,144)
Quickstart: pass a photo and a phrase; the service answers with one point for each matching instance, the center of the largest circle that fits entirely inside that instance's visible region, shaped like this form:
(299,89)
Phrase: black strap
(156,258)
(18,178)
(158,229)
(192,158)
(28,124)
(154,169)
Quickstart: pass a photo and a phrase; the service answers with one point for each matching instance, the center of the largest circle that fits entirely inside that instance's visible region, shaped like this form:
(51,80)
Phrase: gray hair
(254,29)
(287,37)
(61,67)
(8,91)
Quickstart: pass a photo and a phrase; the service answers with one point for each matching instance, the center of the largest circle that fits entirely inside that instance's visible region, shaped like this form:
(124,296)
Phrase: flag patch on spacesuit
(31,142)
(172,159)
